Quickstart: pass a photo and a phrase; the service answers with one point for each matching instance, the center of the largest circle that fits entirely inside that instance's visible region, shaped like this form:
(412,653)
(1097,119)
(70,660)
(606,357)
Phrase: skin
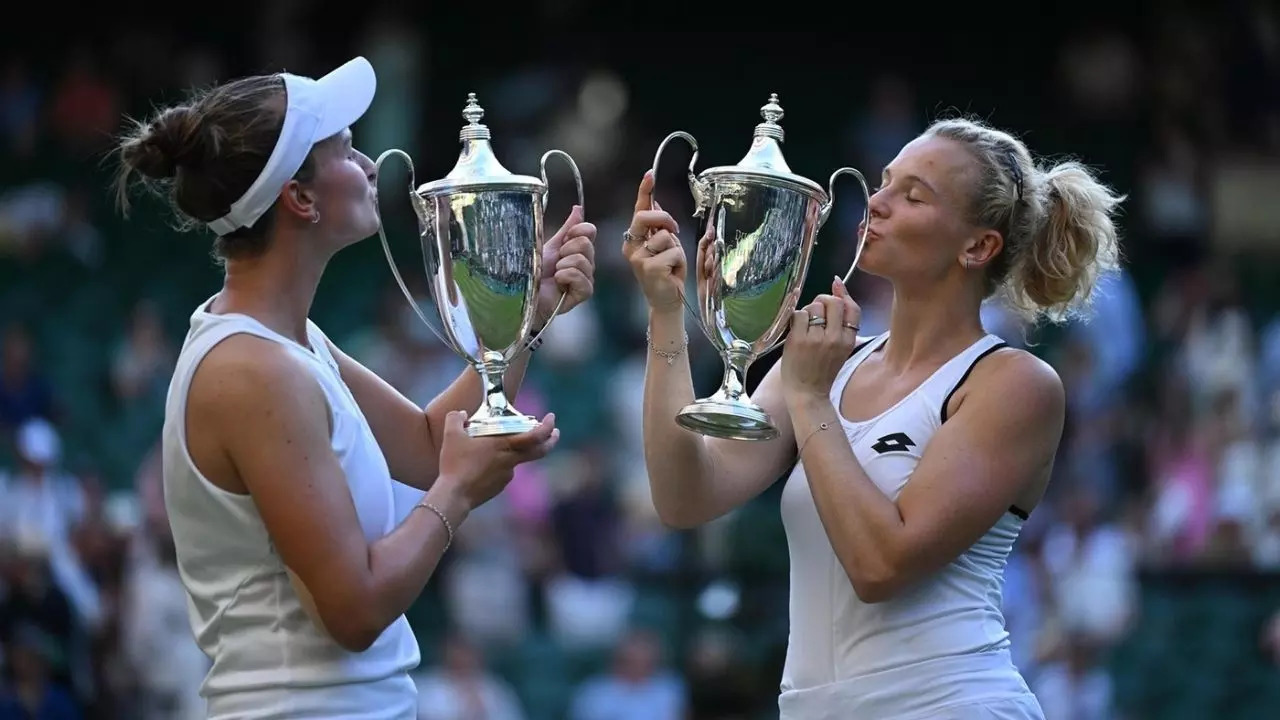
(990,453)
(257,422)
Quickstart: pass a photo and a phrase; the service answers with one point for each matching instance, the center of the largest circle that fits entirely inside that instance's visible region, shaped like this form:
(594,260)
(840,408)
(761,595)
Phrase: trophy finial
(476,161)
(472,112)
(765,152)
(772,112)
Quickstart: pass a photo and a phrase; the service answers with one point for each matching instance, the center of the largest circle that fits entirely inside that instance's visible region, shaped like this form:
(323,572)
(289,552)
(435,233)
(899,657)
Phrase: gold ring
(852,327)
(817,322)
(651,250)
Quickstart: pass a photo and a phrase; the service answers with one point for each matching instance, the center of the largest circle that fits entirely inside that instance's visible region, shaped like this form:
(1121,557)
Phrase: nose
(879,206)
(370,170)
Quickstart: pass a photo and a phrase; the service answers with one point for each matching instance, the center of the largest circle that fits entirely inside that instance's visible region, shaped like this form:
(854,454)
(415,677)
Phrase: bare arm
(271,418)
(695,479)
(987,455)
(410,436)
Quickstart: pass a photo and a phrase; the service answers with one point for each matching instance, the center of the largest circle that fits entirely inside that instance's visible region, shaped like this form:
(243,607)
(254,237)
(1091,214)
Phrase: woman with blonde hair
(917,454)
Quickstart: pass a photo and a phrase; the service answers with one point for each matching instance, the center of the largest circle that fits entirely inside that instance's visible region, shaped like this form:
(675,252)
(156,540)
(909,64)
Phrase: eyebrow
(912,179)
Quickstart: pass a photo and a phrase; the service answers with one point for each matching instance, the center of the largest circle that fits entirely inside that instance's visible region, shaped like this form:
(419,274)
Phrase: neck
(276,288)
(931,325)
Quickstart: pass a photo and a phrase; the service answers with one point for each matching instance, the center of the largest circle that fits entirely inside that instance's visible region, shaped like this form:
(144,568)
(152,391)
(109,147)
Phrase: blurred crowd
(566,597)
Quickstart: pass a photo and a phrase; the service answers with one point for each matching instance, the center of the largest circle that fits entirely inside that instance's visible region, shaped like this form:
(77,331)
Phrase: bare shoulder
(246,381)
(1016,385)
(244,366)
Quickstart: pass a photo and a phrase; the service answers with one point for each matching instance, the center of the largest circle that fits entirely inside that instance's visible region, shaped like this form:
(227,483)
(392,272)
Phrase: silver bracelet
(820,428)
(668,355)
(448,526)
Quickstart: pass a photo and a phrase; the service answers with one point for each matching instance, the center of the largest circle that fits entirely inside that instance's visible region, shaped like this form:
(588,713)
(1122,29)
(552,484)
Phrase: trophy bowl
(481,231)
(766,220)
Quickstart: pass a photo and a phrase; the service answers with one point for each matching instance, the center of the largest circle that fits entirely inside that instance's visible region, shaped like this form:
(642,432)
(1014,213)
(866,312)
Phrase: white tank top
(950,621)
(267,654)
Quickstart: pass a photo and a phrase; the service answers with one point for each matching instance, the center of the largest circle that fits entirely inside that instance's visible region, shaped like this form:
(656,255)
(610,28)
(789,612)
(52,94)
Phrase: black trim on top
(1019,512)
(861,345)
(947,400)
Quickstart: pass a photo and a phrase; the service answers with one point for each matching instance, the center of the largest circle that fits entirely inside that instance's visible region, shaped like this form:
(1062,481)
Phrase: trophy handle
(825,213)
(421,209)
(582,202)
(701,191)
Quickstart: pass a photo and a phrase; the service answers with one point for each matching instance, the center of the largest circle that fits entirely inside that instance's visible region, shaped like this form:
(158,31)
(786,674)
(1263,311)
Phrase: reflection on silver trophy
(766,219)
(481,229)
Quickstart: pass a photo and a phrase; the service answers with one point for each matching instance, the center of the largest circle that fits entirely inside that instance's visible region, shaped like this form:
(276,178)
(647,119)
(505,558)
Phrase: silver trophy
(766,219)
(481,229)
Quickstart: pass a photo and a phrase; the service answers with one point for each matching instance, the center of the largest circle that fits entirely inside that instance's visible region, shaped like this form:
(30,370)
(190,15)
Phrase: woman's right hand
(479,468)
(654,251)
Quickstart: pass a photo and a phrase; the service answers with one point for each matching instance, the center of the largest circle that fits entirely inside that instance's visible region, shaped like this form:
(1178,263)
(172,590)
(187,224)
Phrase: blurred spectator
(32,600)
(85,109)
(41,507)
(25,393)
(589,599)
(34,695)
(461,688)
(1075,685)
(158,645)
(19,109)
(637,688)
(1091,560)
(720,688)
(144,359)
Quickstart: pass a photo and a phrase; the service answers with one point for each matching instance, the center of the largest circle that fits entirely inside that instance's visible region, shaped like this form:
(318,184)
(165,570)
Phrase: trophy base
(491,426)
(727,419)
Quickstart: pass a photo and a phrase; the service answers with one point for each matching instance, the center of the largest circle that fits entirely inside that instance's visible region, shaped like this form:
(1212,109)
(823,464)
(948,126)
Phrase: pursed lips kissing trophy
(766,219)
(481,229)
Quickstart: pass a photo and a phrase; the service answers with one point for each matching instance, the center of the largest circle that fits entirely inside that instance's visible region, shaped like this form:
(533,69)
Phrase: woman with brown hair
(279,450)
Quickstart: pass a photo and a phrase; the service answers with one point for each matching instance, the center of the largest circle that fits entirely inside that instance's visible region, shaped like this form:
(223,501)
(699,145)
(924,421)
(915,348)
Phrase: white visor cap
(315,110)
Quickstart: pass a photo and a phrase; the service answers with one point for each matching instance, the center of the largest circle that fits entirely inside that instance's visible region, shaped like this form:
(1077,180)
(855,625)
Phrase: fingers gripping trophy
(481,230)
(761,225)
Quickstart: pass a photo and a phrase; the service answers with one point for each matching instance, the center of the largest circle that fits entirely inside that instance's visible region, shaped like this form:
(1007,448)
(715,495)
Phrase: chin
(873,261)
(366,230)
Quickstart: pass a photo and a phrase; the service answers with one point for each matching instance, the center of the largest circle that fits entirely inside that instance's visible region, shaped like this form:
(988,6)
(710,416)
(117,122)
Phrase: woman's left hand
(821,339)
(568,267)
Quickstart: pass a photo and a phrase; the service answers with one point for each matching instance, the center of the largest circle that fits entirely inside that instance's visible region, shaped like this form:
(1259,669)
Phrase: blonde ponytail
(1054,273)
(1057,223)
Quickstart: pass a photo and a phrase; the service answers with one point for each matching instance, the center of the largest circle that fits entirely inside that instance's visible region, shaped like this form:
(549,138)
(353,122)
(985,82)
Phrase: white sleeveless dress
(939,649)
(269,661)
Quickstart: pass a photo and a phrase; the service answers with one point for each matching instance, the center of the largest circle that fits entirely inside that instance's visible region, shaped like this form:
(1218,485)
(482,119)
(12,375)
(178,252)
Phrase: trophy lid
(477,167)
(764,159)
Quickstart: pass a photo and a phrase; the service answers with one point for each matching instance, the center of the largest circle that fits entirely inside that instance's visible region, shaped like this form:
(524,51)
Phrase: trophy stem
(734,384)
(729,413)
(496,415)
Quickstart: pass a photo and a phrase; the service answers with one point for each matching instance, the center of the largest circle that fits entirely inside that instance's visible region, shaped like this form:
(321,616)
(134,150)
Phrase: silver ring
(852,327)
(651,250)
(628,237)
(817,322)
